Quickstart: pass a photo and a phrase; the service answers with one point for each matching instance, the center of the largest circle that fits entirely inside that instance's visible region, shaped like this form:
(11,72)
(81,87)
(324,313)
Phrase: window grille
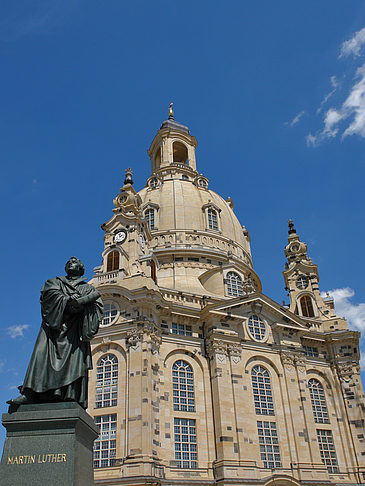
(269,444)
(234,284)
(327,450)
(106,381)
(105,445)
(262,392)
(186,454)
(212,219)
(311,351)
(302,282)
(257,327)
(183,386)
(150,218)
(181,329)
(318,399)
(110,314)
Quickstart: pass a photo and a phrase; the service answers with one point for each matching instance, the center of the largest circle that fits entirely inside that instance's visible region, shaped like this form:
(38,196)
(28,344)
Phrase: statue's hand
(88,298)
(74,306)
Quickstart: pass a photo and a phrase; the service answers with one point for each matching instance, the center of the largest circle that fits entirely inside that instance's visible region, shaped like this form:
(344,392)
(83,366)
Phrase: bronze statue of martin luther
(71,313)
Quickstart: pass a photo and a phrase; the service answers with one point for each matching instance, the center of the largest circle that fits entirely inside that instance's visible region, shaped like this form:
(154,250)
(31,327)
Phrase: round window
(111,314)
(257,328)
(302,282)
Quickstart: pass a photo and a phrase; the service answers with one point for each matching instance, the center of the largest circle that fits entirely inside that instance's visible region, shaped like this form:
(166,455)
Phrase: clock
(120,236)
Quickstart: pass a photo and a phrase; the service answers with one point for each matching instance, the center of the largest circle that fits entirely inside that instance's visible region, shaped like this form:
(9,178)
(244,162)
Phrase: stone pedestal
(48,444)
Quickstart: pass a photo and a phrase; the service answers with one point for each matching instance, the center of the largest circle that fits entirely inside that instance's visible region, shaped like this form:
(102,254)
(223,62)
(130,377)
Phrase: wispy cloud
(354,313)
(352,110)
(296,119)
(353,46)
(335,84)
(348,117)
(17,330)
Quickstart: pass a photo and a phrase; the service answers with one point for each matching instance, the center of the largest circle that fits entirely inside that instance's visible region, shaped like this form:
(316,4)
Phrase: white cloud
(353,46)
(335,84)
(296,119)
(17,330)
(352,109)
(355,105)
(354,313)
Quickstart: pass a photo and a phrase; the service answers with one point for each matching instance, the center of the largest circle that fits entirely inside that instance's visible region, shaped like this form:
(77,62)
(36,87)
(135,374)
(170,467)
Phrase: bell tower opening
(180,153)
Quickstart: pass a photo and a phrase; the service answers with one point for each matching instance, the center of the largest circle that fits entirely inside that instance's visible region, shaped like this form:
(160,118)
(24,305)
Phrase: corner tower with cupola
(198,376)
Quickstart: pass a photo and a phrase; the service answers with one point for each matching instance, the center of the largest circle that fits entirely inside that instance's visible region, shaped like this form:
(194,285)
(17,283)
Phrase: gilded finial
(171,112)
(291,227)
(128,176)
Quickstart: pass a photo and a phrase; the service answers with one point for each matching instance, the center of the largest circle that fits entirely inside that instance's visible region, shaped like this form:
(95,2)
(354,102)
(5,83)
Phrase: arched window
(110,314)
(306,306)
(106,381)
(212,219)
(149,214)
(234,284)
(318,399)
(112,262)
(262,393)
(183,386)
(180,152)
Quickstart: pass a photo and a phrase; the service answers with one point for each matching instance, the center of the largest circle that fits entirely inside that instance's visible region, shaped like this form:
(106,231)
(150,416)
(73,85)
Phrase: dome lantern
(172,145)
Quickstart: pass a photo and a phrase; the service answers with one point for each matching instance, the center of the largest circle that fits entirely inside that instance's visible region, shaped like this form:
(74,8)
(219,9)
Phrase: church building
(199,378)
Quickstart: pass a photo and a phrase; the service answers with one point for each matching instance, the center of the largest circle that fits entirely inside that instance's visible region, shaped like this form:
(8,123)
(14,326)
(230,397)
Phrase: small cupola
(172,145)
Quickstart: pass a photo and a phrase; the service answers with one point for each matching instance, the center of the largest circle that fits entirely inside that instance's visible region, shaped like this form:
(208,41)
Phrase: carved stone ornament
(134,338)
(249,285)
(345,371)
(300,363)
(217,350)
(235,352)
(288,361)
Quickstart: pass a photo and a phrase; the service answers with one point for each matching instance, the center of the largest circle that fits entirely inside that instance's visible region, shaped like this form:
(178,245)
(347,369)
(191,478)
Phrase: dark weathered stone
(48,444)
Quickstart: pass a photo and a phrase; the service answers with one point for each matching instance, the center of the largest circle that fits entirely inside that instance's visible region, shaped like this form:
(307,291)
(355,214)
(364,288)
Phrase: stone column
(143,404)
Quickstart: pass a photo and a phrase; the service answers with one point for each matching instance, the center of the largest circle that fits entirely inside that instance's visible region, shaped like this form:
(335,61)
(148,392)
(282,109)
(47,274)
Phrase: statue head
(74,267)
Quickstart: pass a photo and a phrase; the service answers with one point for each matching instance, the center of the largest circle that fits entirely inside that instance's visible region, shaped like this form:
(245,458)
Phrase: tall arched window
(183,386)
(180,152)
(318,399)
(234,284)
(262,393)
(149,214)
(112,261)
(306,306)
(212,219)
(106,381)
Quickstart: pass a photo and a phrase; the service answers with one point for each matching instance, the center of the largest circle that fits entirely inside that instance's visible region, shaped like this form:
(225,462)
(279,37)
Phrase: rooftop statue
(71,313)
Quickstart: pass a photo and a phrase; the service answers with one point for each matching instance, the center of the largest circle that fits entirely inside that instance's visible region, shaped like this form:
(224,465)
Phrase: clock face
(120,236)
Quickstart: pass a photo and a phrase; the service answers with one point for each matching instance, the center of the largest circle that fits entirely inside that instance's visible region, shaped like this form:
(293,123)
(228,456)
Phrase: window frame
(229,287)
(110,260)
(185,443)
(115,317)
(109,439)
(318,401)
(106,381)
(252,334)
(262,391)
(183,386)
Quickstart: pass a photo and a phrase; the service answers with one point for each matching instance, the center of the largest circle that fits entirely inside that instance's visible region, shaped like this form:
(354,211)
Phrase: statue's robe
(58,368)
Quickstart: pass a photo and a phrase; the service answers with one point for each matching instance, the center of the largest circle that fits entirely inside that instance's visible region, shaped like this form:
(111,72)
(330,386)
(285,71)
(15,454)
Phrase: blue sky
(273,91)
